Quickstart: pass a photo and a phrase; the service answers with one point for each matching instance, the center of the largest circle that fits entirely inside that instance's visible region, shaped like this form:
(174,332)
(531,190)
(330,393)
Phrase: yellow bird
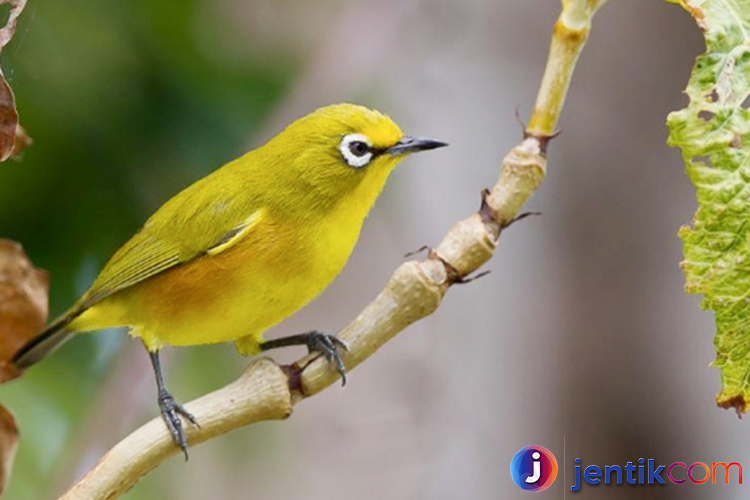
(245,247)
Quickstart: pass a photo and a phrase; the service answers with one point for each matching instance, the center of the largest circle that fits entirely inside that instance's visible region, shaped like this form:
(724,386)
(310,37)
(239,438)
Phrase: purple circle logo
(533,468)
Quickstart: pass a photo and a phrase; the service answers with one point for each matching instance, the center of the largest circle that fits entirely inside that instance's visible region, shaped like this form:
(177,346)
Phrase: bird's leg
(171,409)
(315,341)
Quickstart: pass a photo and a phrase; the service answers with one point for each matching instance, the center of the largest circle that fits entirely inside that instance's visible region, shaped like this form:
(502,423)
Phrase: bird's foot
(328,345)
(315,341)
(171,411)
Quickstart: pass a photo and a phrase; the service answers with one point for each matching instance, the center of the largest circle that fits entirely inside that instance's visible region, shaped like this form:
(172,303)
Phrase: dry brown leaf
(8,119)
(23,140)
(9,128)
(8,444)
(23,304)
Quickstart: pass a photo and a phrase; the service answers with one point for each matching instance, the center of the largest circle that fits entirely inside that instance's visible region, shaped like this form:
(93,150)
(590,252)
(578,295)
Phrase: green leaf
(713,132)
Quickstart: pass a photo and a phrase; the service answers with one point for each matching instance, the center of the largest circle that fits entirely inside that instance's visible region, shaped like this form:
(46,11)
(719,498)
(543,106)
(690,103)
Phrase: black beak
(413,144)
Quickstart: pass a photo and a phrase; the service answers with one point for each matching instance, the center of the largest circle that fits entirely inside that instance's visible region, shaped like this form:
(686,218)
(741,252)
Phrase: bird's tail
(47,341)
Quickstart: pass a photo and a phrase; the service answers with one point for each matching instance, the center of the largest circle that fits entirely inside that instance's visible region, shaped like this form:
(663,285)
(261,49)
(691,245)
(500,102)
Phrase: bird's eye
(359,148)
(356,150)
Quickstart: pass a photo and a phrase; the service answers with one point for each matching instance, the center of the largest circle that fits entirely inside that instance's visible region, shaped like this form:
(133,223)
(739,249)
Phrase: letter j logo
(534,468)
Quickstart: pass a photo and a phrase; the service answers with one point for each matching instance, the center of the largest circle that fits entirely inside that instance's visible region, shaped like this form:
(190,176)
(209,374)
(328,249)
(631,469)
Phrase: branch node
(452,274)
(542,139)
(486,212)
(293,374)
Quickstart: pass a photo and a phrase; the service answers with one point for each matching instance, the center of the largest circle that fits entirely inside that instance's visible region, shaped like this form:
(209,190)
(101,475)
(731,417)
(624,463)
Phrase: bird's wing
(140,258)
(193,223)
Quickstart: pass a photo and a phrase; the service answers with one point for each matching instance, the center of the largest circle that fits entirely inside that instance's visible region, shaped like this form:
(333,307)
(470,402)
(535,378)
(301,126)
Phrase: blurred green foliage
(127,102)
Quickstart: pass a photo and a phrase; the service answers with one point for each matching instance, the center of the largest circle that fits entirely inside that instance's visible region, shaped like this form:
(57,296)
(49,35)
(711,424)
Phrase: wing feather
(140,258)
(193,223)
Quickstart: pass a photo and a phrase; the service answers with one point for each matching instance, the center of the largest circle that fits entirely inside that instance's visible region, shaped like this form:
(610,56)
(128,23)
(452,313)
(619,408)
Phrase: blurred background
(581,340)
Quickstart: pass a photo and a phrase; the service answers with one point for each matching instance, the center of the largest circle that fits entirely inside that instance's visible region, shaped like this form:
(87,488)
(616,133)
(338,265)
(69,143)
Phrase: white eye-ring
(356,150)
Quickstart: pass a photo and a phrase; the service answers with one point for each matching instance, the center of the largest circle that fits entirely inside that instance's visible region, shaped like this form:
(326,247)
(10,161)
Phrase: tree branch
(267,391)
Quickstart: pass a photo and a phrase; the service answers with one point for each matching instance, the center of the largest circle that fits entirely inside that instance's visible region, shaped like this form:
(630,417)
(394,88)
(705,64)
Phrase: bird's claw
(171,411)
(328,345)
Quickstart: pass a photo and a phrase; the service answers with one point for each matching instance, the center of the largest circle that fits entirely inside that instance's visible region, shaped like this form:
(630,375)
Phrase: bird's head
(347,150)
